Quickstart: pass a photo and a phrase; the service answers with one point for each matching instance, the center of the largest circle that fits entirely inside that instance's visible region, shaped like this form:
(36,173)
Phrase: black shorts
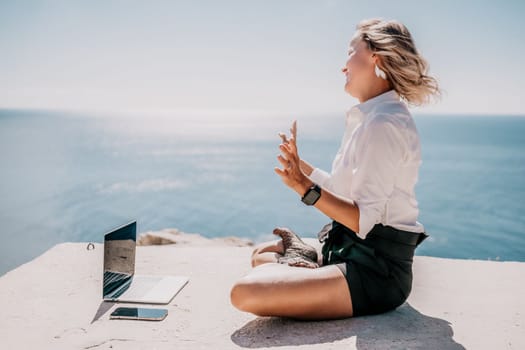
(378,268)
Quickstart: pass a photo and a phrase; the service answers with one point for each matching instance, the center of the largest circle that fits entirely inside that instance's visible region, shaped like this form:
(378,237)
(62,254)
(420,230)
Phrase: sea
(71,176)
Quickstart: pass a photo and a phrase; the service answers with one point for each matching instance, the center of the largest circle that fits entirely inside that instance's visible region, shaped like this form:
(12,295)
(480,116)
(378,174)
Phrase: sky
(271,55)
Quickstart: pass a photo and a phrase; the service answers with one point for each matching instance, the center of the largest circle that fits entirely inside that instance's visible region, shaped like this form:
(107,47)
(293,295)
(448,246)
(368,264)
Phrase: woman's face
(359,69)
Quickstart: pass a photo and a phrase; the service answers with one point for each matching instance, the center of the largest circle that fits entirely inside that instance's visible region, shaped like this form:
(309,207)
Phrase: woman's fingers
(283,160)
(289,155)
(289,158)
(293,133)
(293,138)
(280,172)
(285,147)
(289,150)
(293,145)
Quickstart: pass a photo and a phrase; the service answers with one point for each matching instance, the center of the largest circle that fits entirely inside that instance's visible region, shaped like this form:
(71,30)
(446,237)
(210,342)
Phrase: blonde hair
(405,68)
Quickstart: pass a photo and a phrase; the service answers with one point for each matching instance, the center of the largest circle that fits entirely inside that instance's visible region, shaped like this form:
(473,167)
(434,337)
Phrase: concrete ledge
(54,302)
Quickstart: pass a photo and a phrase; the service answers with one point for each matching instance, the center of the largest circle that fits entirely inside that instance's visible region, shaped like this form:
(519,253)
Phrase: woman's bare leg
(273,289)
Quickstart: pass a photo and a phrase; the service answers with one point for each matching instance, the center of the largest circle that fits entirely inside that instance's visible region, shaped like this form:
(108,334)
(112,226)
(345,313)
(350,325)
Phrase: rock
(175,236)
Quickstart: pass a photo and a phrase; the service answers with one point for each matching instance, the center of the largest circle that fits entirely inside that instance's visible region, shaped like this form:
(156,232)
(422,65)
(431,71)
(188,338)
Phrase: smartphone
(138,313)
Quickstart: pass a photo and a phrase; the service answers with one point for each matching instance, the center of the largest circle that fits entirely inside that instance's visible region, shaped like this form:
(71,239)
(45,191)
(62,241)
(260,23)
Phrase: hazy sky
(247,55)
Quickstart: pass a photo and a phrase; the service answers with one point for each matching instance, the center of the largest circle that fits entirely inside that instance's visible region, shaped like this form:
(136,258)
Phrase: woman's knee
(243,294)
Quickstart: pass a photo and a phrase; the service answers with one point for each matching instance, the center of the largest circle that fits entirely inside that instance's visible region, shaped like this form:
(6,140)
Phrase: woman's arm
(373,182)
(335,207)
(294,174)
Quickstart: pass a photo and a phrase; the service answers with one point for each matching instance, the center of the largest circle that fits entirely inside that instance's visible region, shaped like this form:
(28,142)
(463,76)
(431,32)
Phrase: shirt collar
(360,110)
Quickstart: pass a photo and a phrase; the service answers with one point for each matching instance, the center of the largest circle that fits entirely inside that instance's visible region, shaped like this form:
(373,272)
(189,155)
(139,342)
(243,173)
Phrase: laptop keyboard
(142,285)
(110,277)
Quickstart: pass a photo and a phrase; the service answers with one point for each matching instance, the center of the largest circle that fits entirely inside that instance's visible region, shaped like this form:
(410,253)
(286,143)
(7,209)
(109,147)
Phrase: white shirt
(377,164)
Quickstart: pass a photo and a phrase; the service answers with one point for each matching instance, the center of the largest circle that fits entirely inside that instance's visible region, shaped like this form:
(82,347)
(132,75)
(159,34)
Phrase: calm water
(72,177)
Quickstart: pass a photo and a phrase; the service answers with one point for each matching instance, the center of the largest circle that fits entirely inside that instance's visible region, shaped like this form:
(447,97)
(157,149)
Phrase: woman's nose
(344,70)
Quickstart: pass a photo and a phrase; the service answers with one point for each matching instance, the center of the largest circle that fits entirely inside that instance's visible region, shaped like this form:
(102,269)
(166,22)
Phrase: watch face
(311,197)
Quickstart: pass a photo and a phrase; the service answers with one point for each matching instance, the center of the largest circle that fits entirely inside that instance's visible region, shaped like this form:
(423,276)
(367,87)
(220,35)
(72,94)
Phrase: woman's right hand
(306,167)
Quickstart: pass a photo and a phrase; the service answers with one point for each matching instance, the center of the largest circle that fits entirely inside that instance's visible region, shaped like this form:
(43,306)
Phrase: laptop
(121,284)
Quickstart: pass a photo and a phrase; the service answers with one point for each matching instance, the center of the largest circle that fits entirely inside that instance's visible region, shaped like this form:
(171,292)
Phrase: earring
(379,72)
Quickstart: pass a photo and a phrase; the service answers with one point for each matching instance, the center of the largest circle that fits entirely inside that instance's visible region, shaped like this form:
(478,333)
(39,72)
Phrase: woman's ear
(372,59)
(376,60)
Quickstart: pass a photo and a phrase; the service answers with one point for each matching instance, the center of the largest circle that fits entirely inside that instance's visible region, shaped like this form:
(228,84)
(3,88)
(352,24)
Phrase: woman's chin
(348,89)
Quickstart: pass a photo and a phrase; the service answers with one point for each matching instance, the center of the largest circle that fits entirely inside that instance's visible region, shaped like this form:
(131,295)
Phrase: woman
(367,249)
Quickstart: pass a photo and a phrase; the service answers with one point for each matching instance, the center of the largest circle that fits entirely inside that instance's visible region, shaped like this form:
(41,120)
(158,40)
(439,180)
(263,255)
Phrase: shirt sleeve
(320,177)
(379,155)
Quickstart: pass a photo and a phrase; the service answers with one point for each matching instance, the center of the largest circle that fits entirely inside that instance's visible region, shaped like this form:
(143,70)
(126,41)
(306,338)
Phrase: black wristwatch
(312,195)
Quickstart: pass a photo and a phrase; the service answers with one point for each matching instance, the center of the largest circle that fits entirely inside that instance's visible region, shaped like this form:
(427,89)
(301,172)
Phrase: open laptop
(120,282)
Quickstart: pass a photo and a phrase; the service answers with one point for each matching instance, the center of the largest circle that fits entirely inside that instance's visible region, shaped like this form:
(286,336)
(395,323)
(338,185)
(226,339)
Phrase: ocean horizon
(73,176)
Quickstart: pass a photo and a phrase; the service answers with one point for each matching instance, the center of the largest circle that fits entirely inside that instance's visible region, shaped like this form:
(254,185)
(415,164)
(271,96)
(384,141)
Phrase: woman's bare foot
(296,252)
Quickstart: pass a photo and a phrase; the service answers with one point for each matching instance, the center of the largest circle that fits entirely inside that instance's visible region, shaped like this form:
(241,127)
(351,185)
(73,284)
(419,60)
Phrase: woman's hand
(291,174)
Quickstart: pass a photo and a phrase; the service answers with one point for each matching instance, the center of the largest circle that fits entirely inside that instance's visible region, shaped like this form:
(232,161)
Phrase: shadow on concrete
(102,309)
(401,328)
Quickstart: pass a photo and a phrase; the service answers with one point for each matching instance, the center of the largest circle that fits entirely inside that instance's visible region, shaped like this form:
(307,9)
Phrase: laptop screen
(119,260)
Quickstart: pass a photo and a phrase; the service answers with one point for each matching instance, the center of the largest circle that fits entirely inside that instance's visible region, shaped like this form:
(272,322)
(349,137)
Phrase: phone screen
(138,313)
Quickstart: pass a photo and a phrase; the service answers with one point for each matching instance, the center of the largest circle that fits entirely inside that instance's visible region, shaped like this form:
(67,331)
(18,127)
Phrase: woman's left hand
(291,173)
